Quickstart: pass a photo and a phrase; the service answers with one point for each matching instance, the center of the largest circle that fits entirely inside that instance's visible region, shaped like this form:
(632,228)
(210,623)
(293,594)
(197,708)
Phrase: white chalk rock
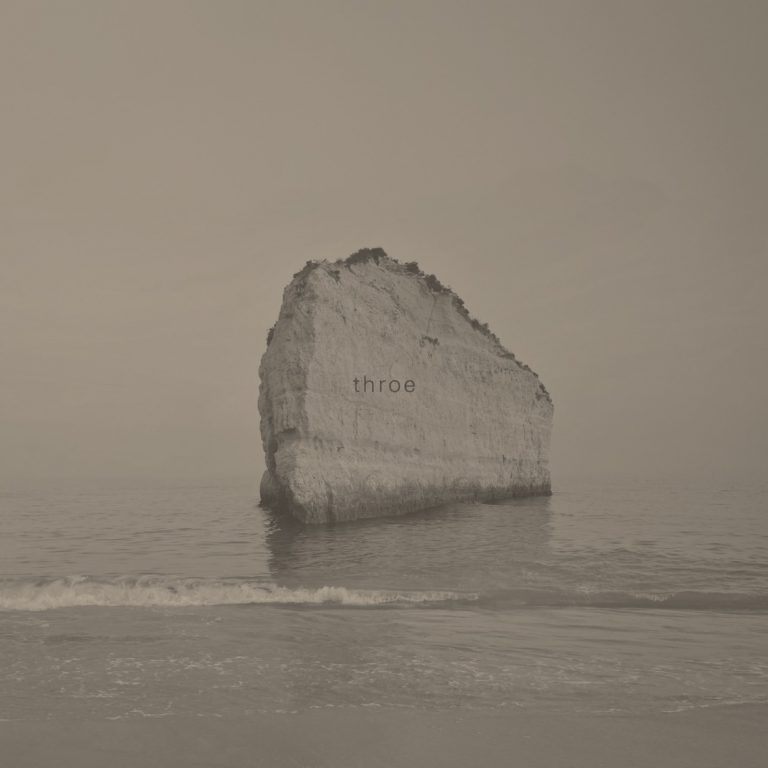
(473,424)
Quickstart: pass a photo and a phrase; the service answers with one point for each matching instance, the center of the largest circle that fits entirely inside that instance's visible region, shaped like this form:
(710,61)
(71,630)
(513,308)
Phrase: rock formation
(474,422)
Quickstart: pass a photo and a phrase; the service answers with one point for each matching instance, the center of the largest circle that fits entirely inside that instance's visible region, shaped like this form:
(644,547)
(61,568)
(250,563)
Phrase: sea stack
(380,395)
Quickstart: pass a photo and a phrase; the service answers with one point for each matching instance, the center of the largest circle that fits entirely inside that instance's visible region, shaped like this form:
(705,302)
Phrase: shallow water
(130,600)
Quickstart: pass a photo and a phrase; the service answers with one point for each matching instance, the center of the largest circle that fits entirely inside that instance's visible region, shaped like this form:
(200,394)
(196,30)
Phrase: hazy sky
(591,177)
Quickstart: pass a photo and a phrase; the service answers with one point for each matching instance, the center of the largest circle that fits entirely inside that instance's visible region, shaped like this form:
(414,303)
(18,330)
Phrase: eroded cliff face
(476,424)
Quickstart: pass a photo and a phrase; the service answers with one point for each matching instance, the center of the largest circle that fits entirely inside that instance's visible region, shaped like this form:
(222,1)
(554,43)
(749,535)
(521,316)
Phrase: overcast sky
(591,177)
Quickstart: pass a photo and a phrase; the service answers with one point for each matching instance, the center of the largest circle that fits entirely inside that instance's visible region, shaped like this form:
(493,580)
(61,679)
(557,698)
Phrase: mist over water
(589,177)
(130,600)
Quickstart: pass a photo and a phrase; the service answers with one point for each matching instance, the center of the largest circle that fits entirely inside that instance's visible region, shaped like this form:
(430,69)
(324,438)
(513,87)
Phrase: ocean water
(128,600)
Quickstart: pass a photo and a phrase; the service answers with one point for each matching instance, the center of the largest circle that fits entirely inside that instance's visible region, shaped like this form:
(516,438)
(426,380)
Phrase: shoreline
(358,738)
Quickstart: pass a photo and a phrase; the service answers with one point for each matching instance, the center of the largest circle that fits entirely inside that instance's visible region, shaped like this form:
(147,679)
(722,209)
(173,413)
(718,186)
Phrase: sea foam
(166,591)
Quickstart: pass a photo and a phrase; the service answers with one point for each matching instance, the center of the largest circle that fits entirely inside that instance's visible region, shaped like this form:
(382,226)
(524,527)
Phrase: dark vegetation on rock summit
(380,257)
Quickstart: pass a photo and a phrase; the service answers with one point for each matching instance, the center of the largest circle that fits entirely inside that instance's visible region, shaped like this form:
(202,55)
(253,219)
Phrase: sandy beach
(726,736)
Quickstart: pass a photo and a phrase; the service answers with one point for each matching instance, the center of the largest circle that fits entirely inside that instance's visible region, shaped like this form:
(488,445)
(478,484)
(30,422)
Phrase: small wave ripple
(594,598)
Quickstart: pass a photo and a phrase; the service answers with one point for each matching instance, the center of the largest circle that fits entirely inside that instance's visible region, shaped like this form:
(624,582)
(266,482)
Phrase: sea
(131,599)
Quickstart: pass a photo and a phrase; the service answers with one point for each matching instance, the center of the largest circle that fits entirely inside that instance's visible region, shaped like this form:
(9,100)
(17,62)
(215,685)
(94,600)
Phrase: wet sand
(713,738)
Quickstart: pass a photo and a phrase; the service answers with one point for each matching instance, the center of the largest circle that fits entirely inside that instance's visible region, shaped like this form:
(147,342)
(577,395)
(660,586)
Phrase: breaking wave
(169,591)
(166,591)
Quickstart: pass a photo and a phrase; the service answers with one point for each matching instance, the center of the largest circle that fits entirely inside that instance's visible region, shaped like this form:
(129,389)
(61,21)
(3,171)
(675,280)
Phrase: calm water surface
(129,600)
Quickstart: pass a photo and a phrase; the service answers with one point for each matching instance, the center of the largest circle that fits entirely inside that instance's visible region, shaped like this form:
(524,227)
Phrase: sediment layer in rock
(474,424)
